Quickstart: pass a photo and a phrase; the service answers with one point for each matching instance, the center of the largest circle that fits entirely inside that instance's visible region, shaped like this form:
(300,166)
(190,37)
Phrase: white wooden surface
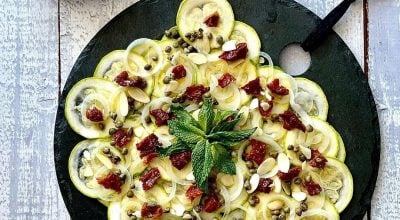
(29,89)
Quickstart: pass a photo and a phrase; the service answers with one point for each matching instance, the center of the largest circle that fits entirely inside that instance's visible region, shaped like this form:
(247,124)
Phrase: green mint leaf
(222,160)
(226,125)
(202,162)
(206,115)
(233,136)
(178,147)
(221,116)
(183,116)
(186,132)
(226,143)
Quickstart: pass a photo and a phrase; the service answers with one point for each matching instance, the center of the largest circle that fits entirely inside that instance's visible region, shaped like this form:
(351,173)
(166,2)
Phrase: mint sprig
(209,139)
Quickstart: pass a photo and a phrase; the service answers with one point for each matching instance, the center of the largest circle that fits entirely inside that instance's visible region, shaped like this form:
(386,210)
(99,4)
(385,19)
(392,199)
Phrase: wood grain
(384,27)
(28,90)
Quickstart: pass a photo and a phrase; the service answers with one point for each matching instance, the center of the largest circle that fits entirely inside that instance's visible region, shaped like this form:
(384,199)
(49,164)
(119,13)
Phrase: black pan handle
(319,34)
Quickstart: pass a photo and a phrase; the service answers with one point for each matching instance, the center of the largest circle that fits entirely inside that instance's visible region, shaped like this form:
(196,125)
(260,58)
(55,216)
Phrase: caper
(310,128)
(210,36)
(184,45)
(130,131)
(220,40)
(296,149)
(166,210)
(175,33)
(304,206)
(119,124)
(114,160)
(302,157)
(252,171)
(247,185)
(148,119)
(129,194)
(200,36)
(181,41)
(290,147)
(134,217)
(130,212)
(175,45)
(101,126)
(274,217)
(112,143)
(252,202)
(197,208)
(167,80)
(201,30)
(124,151)
(106,150)
(113,115)
(155,58)
(276,212)
(112,131)
(281,217)
(297,181)
(191,49)
(168,49)
(299,211)
(286,209)
(192,39)
(249,164)
(273,154)
(188,35)
(147,67)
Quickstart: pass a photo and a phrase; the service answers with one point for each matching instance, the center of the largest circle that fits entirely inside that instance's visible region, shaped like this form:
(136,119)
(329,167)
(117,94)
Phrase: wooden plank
(384,26)
(28,64)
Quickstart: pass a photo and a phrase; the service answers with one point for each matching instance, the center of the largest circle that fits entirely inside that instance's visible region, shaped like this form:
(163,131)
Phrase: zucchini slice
(342,149)
(192,14)
(86,94)
(328,212)
(107,62)
(243,33)
(311,98)
(323,138)
(148,49)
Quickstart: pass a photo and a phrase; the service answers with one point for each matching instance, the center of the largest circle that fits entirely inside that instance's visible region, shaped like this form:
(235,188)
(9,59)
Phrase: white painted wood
(29,91)
(384,66)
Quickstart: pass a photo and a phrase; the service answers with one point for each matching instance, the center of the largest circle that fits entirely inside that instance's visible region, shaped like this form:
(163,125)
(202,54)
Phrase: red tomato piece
(312,187)
(121,138)
(147,147)
(212,20)
(291,121)
(195,93)
(150,178)
(239,53)
(257,151)
(111,181)
(180,160)
(265,185)
(94,114)
(265,112)
(178,72)
(225,80)
(160,116)
(123,80)
(193,192)
(277,89)
(211,204)
(289,176)
(253,87)
(151,211)
(317,159)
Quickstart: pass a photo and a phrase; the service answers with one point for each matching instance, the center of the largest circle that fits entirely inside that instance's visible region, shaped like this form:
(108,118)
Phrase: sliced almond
(105,161)
(229,45)
(299,196)
(122,107)
(138,94)
(197,58)
(253,104)
(265,106)
(172,86)
(283,163)
(275,205)
(286,188)
(190,176)
(266,166)
(306,151)
(277,184)
(139,131)
(254,180)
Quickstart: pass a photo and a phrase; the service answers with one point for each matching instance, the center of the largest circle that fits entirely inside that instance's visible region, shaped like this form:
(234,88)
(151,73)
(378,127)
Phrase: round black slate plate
(278,22)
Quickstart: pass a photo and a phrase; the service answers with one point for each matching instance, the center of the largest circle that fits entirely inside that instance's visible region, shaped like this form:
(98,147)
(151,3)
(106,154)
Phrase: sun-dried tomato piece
(150,178)
(276,88)
(291,121)
(151,211)
(178,72)
(161,116)
(147,147)
(211,204)
(257,151)
(312,187)
(265,185)
(239,53)
(123,80)
(230,118)
(253,87)
(289,176)
(180,160)
(111,181)
(193,192)
(121,137)
(195,93)
(212,20)
(225,80)
(94,114)
(265,112)
(317,159)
